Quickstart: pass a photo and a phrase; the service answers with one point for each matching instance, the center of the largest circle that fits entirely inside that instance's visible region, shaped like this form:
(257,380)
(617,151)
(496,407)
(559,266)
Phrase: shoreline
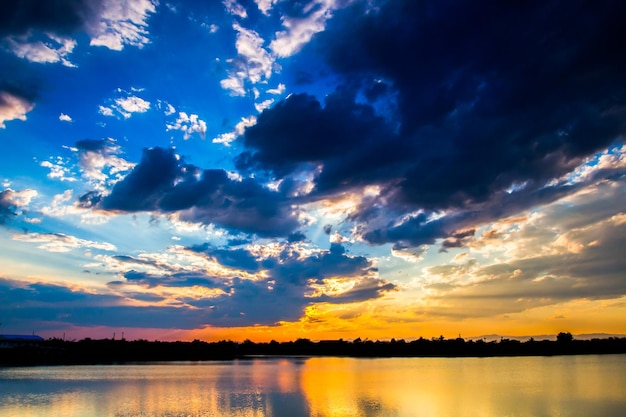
(109,351)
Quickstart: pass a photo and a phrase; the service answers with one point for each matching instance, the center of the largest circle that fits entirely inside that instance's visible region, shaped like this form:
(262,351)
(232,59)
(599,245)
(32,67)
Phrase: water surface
(404,387)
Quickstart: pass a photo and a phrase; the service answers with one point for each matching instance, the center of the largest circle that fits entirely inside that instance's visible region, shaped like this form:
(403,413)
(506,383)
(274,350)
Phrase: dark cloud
(480,98)
(14,203)
(163,183)
(233,258)
(238,242)
(131,260)
(7,206)
(457,239)
(148,183)
(365,289)
(290,266)
(280,293)
(286,287)
(89,199)
(177,279)
(299,131)
(101,146)
(23,90)
(296,236)
(491,94)
(17,96)
(62,17)
(415,231)
(38,305)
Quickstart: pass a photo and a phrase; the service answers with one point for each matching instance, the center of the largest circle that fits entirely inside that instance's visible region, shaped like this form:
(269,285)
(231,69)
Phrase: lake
(584,386)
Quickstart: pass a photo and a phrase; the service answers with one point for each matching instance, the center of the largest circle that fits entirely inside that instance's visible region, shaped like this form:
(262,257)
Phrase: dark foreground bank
(106,351)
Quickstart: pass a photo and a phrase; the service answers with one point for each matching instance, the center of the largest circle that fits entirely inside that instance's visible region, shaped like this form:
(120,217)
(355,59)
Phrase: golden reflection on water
(554,386)
(324,387)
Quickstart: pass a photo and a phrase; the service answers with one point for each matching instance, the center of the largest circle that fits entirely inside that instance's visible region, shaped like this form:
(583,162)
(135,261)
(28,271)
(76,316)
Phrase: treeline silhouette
(106,351)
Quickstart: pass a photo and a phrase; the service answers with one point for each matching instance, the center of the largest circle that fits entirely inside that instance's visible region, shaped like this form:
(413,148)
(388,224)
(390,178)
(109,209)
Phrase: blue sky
(327,168)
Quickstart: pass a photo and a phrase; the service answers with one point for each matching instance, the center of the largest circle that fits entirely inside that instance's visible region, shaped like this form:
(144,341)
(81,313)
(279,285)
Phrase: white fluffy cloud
(265,5)
(265,104)
(19,199)
(133,104)
(278,90)
(58,169)
(236,9)
(98,162)
(109,23)
(125,106)
(227,138)
(13,107)
(234,83)
(103,166)
(299,30)
(188,124)
(169,109)
(253,64)
(54,49)
(65,118)
(123,22)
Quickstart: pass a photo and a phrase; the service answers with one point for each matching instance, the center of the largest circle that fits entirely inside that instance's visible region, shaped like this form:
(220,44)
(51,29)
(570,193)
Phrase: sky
(323,169)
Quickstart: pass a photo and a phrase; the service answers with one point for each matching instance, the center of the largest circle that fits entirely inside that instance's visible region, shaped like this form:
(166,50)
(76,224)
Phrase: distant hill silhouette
(103,351)
(584,336)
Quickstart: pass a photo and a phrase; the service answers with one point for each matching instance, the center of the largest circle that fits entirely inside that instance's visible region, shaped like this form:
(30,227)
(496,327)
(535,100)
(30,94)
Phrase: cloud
(125,106)
(265,104)
(13,203)
(568,250)
(233,7)
(234,83)
(265,5)
(253,64)
(54,49)
(13,106)
(55,305)
(460,115)
(65,118)
(300,28)
(163,183)
(59,169)
(122,23)
(167,108)
(257,61)
(478,114)
(325,135)
(105,111)
(290,264)
(258,284)
(278,90)
(132,104)
(188,124)
(59,242)
(240,127)
(44,33)
(98,161)
(60,17)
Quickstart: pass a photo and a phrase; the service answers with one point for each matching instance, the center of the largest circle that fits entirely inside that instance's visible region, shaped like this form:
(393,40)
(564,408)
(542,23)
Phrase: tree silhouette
(564,337)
